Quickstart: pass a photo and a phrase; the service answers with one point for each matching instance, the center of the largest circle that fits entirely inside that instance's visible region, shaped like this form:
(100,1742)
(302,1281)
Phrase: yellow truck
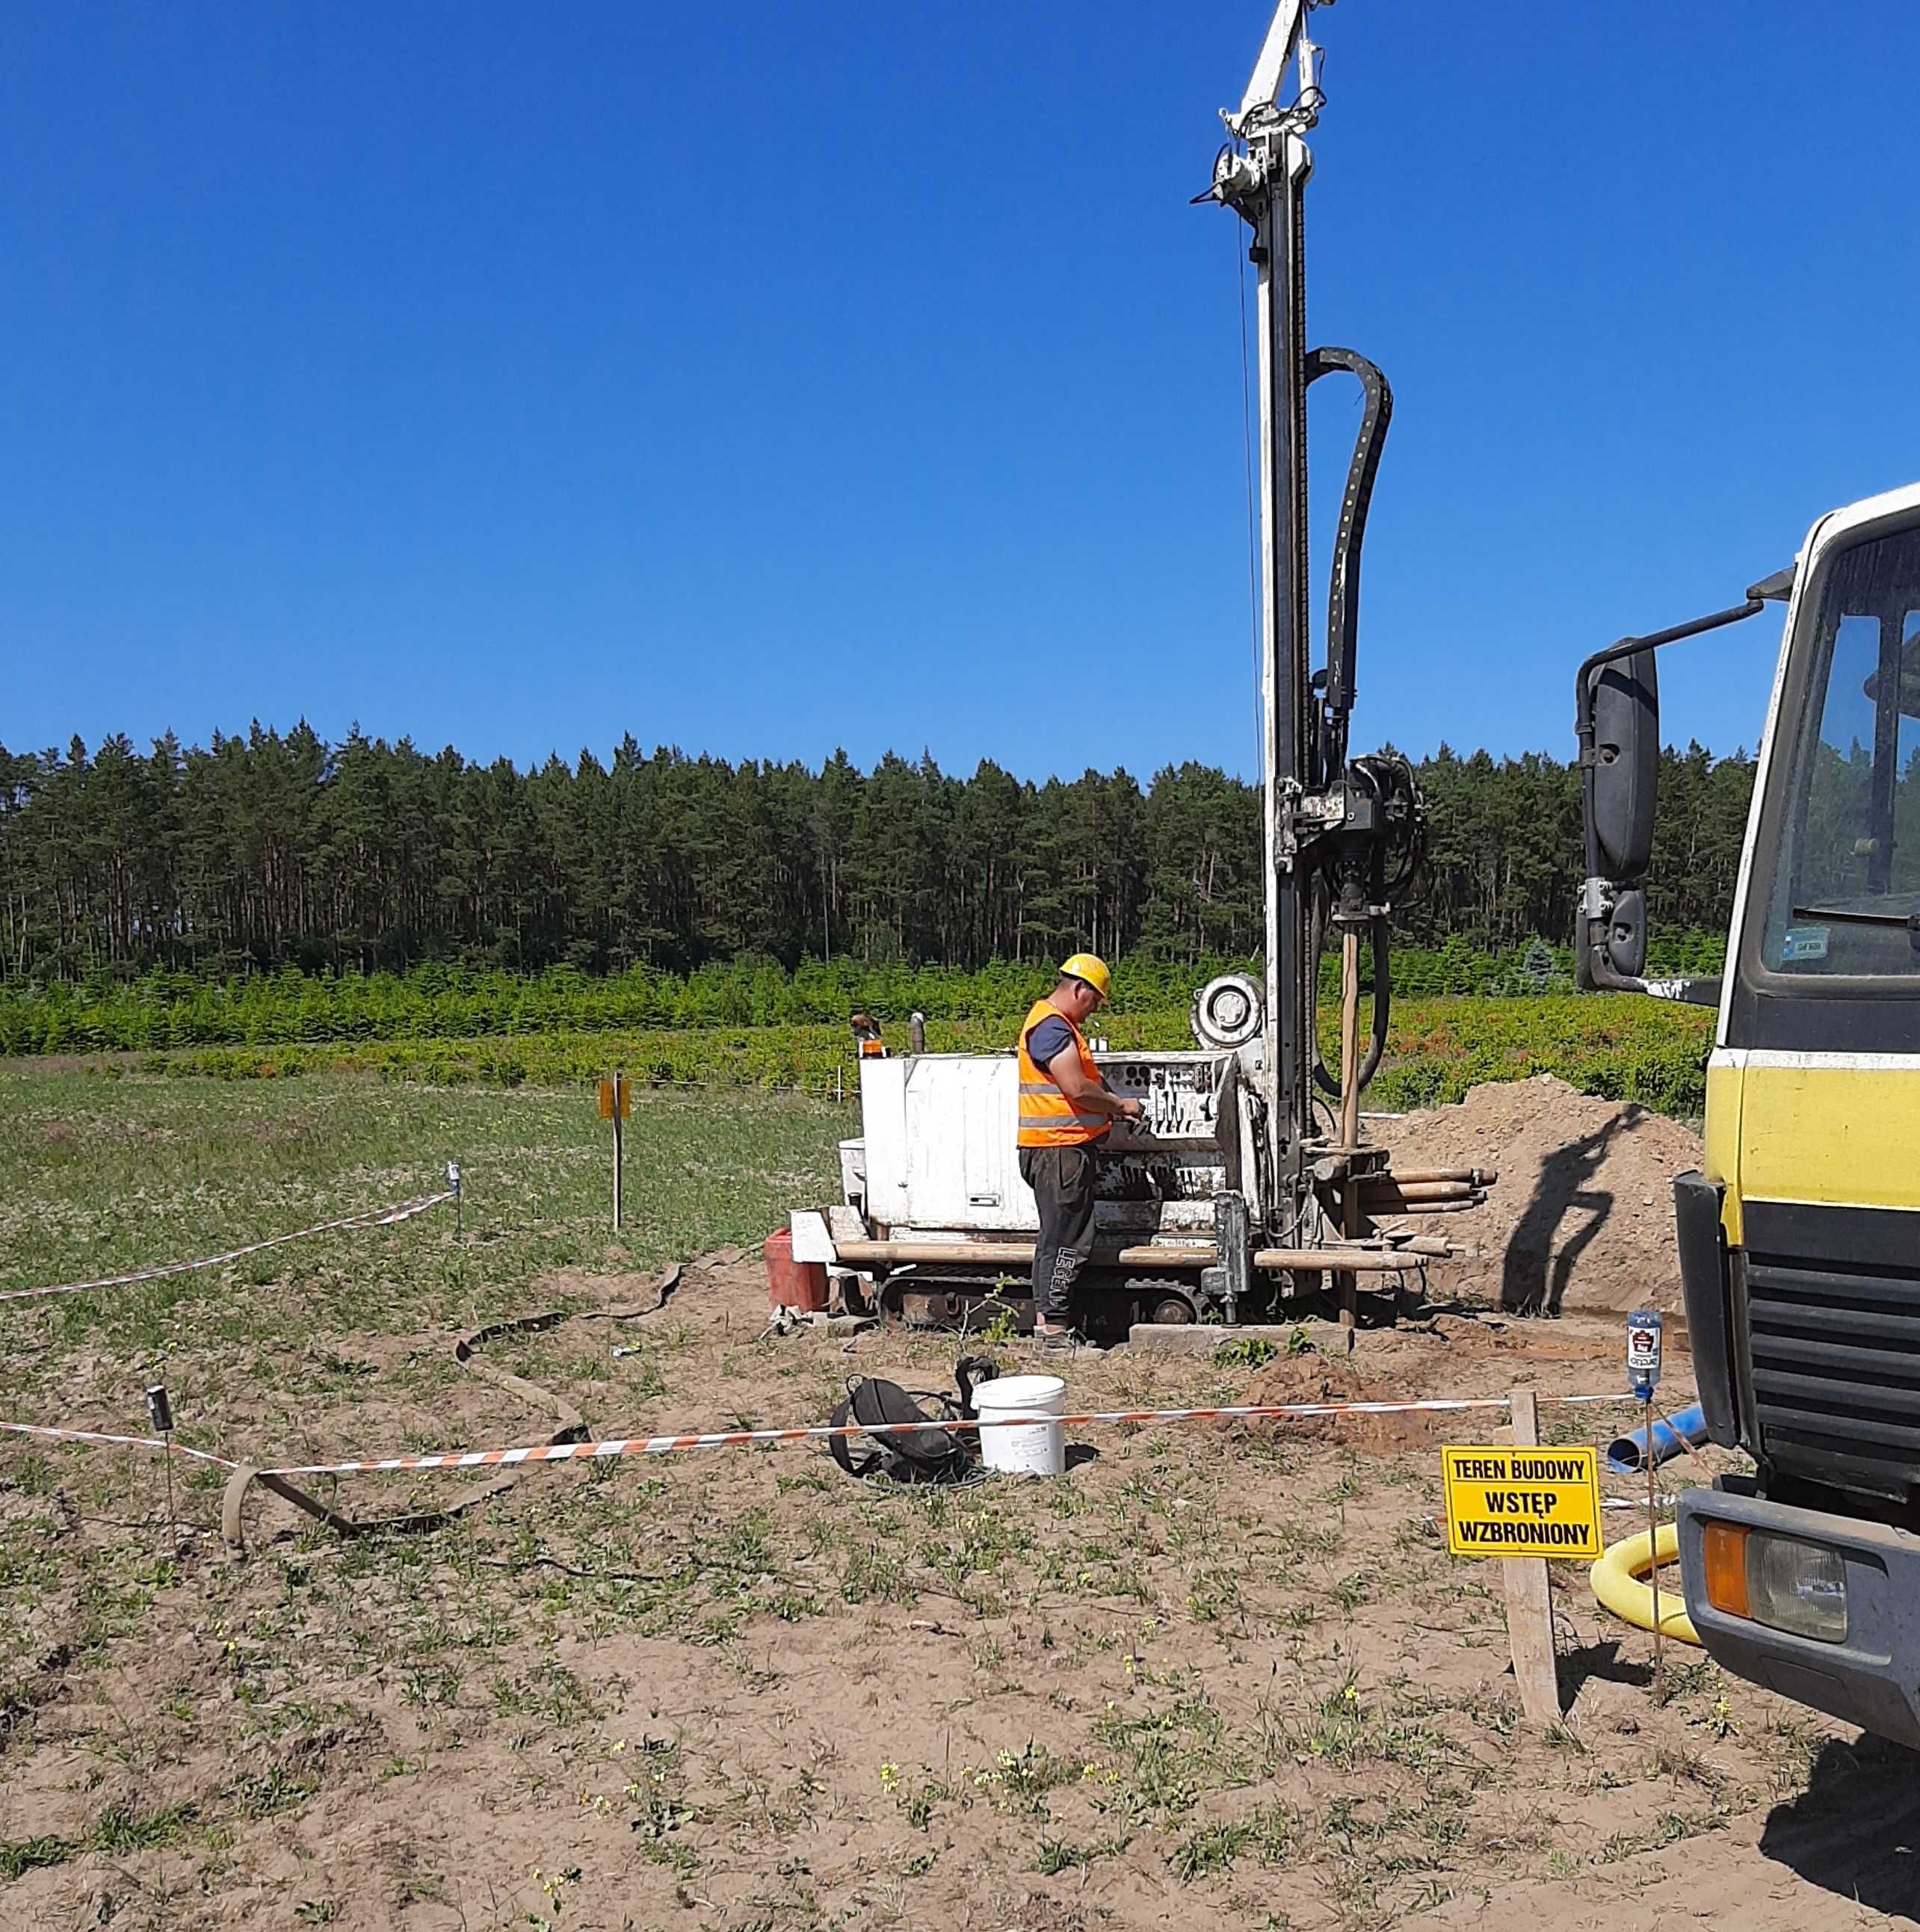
(1799,1237)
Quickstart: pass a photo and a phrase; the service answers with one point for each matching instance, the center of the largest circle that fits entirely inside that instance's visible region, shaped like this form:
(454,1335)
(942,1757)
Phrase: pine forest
(279,850)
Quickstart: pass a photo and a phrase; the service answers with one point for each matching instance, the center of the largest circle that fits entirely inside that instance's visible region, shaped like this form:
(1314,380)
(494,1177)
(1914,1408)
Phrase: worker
(1066,1110)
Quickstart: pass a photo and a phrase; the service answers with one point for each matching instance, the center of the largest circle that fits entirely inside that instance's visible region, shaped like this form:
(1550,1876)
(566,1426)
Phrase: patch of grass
(1166,1761)
(1212,1849)
(919,1804)
(214,1167)
(120,1829)
(274,1790)
(872,1573)
(1256,1351)
(25,1854)
(1345,1730)
(124,1828)
(1249,1351)
(661,1808)
(1353,1590)
(1215,1595)
(1018,1781)
(546,1691)
(1269,1832)
(979,1541)
(426,1684)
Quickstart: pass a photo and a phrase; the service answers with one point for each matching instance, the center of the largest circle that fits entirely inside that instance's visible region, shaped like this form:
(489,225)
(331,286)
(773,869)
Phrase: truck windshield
(1845,891)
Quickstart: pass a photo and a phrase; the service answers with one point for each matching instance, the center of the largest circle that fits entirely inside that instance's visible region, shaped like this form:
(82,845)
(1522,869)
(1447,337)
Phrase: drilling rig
(1247,1184)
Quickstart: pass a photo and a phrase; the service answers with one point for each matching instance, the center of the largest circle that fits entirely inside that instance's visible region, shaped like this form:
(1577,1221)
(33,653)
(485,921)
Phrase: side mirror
(1616,717)
(1618,794)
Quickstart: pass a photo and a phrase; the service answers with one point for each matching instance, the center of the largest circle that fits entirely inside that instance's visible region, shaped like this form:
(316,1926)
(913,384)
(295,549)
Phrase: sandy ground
(1214,1675)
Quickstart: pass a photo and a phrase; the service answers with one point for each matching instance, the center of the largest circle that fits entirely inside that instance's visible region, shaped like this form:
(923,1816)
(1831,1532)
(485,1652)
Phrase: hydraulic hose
(1383,1001)
(1349,538)
(1387,776)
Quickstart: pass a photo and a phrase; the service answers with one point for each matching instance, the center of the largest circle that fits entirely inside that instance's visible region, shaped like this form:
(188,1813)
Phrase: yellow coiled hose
(1619,1582)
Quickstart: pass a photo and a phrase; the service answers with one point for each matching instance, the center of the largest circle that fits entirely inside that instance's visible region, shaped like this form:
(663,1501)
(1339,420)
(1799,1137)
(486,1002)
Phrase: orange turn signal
(1724,1546)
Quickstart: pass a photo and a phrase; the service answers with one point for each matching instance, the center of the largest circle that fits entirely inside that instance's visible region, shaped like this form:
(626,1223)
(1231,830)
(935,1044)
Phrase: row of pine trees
(279,849)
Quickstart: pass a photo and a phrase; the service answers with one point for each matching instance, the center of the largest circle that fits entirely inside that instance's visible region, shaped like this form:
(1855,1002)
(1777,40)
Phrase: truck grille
(1836,1363)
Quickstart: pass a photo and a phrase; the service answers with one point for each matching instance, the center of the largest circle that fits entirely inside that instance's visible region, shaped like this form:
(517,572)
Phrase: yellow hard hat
(1085,966)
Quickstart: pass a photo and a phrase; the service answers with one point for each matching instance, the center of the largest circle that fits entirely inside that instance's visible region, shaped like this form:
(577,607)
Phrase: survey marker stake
(616,1106)
(1644,1337)
(160,1413)
(1530,1603)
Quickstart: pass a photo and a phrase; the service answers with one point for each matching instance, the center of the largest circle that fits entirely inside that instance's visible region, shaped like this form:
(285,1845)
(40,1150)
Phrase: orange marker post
(616,1105)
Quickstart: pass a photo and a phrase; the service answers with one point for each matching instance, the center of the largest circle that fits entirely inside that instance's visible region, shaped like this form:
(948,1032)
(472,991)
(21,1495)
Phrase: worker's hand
(1132,1110)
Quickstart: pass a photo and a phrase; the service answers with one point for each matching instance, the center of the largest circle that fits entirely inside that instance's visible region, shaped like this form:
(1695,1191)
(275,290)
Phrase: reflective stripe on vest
(1047,1118)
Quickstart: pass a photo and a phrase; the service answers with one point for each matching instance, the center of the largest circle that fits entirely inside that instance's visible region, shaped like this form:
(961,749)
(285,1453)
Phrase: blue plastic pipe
(1626,1455)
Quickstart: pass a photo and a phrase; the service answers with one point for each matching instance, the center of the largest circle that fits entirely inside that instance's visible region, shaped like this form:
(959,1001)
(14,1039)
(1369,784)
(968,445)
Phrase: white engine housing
(940,1157)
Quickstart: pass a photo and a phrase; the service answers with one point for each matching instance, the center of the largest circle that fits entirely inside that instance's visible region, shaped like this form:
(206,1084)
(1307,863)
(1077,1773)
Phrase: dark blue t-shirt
(1048,1041)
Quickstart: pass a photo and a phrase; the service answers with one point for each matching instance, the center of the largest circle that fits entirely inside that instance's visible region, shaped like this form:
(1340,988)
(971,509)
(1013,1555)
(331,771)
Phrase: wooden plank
(1530,1602)
(1012,1254)
(1346,1286)
(1016,1254)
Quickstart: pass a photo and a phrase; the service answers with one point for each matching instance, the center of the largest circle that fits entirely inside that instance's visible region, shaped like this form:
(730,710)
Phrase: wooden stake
(619,1082)
(1530,1602)
(160,1413)
(173,1527)
(1344,1284)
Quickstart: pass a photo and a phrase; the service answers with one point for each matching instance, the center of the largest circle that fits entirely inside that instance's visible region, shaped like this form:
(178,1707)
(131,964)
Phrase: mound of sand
(1314,1377)
(1582,1216)
(1468,1355)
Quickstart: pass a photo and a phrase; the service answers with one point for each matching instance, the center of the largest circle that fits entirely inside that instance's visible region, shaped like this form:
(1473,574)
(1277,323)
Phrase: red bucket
(792,1284)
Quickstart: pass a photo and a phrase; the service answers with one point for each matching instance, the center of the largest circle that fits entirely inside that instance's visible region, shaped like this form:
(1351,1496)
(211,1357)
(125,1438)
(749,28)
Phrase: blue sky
(764,378)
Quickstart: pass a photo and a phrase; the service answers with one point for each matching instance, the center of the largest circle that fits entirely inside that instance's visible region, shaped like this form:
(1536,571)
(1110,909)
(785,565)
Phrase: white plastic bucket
(1040,1451)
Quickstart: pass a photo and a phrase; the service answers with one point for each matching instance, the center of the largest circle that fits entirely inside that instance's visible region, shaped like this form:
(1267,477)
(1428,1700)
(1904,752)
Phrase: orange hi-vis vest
(1047,1118)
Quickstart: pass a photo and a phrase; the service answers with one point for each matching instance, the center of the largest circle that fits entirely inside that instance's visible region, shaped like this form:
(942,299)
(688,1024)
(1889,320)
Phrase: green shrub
(165,1010)
(1619,1046)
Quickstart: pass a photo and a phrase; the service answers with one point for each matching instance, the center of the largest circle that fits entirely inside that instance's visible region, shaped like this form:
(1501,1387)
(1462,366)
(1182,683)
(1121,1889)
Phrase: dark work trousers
(1062,1179)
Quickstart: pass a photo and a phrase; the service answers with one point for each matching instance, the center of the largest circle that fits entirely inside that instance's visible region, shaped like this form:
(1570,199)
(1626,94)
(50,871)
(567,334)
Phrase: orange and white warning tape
(368,1217)
(735,1438)
(159,1442)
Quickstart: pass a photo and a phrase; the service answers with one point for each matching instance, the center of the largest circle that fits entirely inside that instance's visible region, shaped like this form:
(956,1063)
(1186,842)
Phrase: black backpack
(928,1454)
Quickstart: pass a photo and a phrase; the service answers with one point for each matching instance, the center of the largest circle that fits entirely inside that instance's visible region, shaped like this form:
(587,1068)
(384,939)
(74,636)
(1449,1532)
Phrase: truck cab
(1799,1237)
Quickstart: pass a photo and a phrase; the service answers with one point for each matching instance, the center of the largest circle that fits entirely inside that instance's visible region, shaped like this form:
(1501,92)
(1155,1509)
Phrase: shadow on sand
(1602,1660)
(1534,1278)
(1855,1831)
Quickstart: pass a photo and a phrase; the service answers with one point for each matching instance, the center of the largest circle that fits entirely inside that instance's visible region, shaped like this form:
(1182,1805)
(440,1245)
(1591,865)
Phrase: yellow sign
(615,1094)
(1509,1502)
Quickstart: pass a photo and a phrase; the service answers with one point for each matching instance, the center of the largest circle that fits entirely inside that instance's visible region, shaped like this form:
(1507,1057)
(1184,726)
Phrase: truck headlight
(1783,1581)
